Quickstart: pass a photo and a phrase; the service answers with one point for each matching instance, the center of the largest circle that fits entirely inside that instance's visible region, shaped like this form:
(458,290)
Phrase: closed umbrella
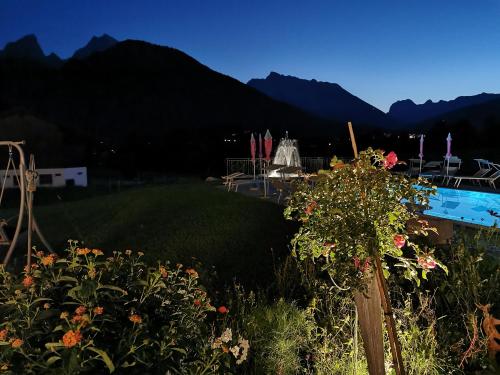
(252,152)
(448,152)
(260,146)
(268,145)
(421,153)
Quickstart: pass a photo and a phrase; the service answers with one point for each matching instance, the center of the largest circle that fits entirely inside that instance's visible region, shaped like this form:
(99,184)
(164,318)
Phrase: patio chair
(229,179)
(448,169)
(489,179)
(485,167)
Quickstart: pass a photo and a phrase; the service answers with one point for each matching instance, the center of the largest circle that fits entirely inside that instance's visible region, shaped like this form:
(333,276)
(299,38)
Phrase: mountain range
(138,105)
(323,99)
(132,104)
(28,48)
(407,112)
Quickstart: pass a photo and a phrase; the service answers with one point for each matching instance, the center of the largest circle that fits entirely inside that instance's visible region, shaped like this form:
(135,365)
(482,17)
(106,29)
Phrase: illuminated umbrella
(260,146)
(421,154)
(268,145)
(448,152)
(252,152)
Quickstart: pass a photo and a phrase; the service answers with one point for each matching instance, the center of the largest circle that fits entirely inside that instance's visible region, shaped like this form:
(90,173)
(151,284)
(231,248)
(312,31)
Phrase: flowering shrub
(84,313)
(357,211)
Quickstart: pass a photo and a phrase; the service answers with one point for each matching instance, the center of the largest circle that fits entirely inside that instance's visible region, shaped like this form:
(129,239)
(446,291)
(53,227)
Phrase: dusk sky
(381,51)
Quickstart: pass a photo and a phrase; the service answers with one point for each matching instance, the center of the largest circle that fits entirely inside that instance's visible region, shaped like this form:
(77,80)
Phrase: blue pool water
(473,207)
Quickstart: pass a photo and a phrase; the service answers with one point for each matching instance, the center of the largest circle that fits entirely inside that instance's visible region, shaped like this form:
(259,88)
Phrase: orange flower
(46,306)
(98,310)
(97,252)
(48,260)
(80,310)
(83,251)
(223,309)
(310,207)
(3,334)
(71,338)
(16,343)
(28,281)
(163,271)
(39,254)
(134,318)
(191,272)
(197,302)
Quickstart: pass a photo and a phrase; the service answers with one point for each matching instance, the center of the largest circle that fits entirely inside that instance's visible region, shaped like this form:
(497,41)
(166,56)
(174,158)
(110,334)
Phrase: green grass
(232,232)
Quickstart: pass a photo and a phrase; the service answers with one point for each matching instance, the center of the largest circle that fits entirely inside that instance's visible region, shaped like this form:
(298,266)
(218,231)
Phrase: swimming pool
(472,207)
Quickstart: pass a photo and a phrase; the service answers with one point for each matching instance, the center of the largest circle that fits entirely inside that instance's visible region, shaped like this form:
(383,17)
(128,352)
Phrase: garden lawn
(236,234)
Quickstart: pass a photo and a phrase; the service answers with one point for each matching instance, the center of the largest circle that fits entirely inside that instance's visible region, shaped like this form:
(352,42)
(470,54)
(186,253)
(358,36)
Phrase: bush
(85,314)
(282,335)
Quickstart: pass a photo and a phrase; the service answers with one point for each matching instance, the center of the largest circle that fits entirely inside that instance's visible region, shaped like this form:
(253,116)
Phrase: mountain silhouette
(28,48)
(139,104)
(96,44)
(406,111)
(324,99)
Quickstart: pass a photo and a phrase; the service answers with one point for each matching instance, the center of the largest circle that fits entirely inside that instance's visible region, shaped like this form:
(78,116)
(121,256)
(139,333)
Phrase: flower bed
(87,313)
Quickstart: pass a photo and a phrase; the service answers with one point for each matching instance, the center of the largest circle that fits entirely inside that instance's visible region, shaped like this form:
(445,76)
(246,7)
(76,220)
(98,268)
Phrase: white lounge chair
(489,179)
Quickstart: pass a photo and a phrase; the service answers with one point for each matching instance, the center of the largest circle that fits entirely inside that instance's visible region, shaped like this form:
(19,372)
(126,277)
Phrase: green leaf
(112,287)
(53,345)
(105,358)
(52,360)
(68,278)
(58,328)
(424,274)
(42,299)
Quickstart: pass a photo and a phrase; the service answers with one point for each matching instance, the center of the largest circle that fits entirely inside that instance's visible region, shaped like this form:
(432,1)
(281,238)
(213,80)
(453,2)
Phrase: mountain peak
(26,47)
(95,44)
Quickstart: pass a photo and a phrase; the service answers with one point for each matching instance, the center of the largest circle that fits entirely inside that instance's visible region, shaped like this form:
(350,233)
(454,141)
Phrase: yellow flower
(64,315)
(92,273)
(134,318)
(16,343)
(140,253)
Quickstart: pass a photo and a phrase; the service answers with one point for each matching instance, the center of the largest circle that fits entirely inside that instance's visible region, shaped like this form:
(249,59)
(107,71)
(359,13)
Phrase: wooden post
(370,323)
(397,358)
(368,305)
(353,140)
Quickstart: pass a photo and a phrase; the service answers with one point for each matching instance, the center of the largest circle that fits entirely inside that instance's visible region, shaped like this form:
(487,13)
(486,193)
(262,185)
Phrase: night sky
(381,51)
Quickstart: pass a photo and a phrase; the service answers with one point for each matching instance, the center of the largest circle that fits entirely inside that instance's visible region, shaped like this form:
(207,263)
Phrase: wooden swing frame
(25,177)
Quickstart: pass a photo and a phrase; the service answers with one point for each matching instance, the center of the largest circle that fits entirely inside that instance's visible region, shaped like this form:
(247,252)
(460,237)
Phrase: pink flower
(356,261)
(390,160)
(399,241)
(427,262)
